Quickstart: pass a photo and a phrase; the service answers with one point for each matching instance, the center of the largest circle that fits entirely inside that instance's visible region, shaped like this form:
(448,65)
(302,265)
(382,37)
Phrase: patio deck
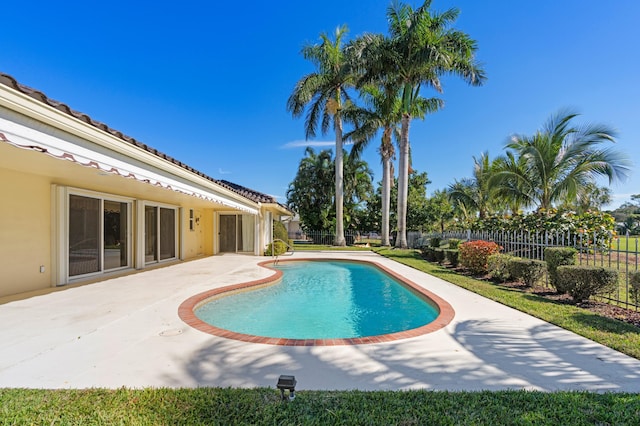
(126,332)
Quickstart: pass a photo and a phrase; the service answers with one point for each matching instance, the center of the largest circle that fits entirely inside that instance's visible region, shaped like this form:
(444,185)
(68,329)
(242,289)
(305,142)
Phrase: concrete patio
(126,332)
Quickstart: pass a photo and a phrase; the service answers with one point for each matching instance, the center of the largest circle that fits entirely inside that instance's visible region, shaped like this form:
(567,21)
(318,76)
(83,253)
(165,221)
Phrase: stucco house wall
(62,173)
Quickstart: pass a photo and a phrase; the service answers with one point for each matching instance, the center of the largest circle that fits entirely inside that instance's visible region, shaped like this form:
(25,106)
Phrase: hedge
(474,254)
(497,265)
(529,271)
(555,257)
(582,282)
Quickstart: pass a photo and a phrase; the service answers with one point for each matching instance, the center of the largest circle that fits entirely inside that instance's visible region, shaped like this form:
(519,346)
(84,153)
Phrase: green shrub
(428,253)
(438,255)
(583,282)
(278,248)
(634,286)
(454,243)
(435,242)
(474,254)
(528,271)
(452,256)
(497,265)
(555,257)
(280,231)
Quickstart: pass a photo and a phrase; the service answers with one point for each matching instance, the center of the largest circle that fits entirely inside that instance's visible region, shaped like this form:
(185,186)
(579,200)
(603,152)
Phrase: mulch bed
(630,316)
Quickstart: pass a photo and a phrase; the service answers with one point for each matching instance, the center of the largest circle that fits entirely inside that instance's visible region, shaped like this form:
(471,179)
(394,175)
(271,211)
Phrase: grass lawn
(262,406)
(630,244)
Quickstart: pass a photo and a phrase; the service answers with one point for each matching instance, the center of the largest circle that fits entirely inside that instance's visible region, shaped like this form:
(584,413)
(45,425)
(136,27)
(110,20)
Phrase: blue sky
(207,82)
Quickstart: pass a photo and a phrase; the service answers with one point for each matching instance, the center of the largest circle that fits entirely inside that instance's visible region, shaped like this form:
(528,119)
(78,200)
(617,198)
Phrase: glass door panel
(151,234)
(246,235)
(228,233)
(167,233)
(115,224)
(84,235)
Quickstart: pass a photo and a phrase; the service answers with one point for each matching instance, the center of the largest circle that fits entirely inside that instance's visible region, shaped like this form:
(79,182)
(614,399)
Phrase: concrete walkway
(126,332)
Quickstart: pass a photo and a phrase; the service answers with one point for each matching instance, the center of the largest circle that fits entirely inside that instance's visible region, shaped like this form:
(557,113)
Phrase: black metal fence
(621,253)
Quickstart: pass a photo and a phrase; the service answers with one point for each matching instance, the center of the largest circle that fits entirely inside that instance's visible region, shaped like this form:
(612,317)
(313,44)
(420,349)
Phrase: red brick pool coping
(187,314)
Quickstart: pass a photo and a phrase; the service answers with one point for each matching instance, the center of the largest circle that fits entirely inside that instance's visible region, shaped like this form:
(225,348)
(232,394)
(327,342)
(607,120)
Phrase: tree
(421,48)
(381,111)
(476,194)
(439,209)
(358,188)
(324,93)
(559,160)
(310,194)
(589,197)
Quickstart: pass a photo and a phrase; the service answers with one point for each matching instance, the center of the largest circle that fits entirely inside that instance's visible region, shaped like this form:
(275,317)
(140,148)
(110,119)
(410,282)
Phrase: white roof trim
(28,138)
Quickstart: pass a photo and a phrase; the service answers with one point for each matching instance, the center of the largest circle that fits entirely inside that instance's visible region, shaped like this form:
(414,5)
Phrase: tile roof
(250,194)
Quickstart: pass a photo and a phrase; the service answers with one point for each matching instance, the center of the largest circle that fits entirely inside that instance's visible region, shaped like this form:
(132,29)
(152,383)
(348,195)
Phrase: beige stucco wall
(25,201)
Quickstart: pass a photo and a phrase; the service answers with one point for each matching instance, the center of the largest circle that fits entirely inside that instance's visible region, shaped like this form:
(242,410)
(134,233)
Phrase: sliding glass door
(160,233)
(237,233)
(98,234)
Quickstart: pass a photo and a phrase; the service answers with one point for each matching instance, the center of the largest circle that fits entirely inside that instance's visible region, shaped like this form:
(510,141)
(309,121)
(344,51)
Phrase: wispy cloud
(223,172)
(298,144)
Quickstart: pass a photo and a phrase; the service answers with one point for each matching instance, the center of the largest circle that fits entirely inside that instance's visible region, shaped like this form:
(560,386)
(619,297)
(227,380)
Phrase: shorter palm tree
(475,194)
(551,166)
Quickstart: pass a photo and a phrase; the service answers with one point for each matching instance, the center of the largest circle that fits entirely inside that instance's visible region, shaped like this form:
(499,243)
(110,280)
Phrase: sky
(207,82)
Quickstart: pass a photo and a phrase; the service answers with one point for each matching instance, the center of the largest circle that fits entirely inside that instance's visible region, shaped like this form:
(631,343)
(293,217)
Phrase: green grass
(315,247)
(262,406)
(625,244)
(609,332)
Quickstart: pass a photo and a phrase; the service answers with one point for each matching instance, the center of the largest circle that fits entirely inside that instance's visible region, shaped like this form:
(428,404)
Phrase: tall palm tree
(324,94)
(382,112)
(560,159)
(420,49)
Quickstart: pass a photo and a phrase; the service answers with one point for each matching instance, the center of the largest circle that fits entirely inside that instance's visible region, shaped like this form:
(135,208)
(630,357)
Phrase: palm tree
(325,94)
(421,48)
(475,194)
(358,186)
(382,111)
(310,194)
(559,160)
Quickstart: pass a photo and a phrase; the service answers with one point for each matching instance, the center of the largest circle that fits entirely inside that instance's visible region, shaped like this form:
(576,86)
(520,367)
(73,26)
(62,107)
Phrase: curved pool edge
(186,311)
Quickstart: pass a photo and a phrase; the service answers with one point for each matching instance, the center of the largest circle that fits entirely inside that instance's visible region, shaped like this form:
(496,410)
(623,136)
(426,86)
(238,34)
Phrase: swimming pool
(316,302)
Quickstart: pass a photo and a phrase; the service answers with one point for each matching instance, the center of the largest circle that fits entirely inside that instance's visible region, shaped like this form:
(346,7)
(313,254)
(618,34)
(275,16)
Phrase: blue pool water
(321,300)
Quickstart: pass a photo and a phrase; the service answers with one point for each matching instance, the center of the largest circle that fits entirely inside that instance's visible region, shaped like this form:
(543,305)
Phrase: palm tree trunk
(386,198)
(339,239)
(403,181)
